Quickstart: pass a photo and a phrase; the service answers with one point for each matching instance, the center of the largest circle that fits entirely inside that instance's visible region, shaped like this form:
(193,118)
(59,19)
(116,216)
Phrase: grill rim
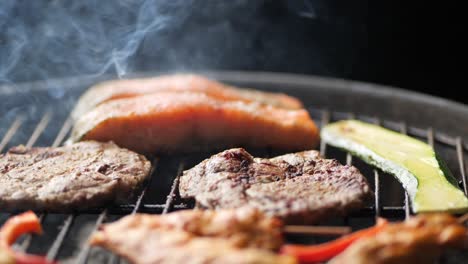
(260,77)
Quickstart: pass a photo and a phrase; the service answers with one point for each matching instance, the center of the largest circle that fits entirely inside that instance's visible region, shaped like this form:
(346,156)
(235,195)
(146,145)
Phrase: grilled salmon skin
(116,89)
(180,122)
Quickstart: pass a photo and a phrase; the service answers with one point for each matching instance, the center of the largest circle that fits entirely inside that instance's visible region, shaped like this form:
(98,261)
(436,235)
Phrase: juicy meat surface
(74,177)
(300,187)
(195,236)
(174,122)
(421,239)
(115,89)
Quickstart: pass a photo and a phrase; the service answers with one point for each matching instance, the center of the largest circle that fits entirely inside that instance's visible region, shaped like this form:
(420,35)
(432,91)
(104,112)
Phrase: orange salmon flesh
(173,122)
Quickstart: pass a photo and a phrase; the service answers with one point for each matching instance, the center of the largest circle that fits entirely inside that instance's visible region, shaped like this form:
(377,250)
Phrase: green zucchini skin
(426,178)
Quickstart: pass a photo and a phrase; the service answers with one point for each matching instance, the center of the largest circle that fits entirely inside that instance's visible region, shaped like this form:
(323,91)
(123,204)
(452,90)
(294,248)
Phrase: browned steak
(299,187)
(78,176)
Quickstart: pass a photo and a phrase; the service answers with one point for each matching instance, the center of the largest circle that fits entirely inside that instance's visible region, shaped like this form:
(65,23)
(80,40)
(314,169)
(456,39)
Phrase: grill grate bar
(39,128)
(325,119)
(114,258)
(84,253)
(37,132)
(349,157)
(461,163)
(377,184)
(349,162)
(143,192)
(430,141)
(430,137)
(175,184)
(377,194)
(63,132)
(28,237)
(11,132)
(404,130)
(407,206)
(439,137)
(124,209)
(158,209)
(54,249)
(58,140)
(60,238)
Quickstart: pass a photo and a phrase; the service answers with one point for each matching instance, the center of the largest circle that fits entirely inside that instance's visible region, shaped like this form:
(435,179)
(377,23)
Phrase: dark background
(409,45)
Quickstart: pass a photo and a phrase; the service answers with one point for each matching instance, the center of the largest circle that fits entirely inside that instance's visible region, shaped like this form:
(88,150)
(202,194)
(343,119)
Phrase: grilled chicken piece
(194,236)
(115,89)
(421,239)
(301,187)
(174,122)
(74,177)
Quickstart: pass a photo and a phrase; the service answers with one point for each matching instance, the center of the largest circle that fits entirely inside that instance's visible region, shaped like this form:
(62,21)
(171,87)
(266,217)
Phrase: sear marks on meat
(300,188)
(195,236)
(421,239)
(184,122)
(74,177)
(115,89)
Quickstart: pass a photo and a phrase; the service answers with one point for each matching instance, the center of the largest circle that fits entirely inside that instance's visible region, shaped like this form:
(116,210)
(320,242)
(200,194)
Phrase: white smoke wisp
(68,38)
(120,57)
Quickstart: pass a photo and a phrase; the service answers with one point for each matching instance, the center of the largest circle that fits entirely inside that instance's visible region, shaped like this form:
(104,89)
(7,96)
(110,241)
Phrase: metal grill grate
(454,149)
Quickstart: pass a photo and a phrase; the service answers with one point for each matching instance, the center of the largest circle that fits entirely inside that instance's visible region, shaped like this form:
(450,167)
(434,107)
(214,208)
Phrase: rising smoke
(50,39)
(44,39)
(79,37)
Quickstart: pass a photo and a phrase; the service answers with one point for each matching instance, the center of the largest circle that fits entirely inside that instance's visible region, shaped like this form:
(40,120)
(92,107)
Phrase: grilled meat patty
(195,236)
(116,89)
(421,239)
(300,187)
(182,122)
(74,177)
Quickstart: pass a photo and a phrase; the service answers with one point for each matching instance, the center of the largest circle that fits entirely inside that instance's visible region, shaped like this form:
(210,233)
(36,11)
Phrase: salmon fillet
(116,89)
(175,122)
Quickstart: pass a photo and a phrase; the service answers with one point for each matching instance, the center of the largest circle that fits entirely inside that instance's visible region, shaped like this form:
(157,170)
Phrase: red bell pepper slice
(15,227)
(326,251)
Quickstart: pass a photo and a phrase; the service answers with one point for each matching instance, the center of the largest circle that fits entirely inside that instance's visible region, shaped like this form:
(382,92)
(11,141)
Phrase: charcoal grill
(36,114)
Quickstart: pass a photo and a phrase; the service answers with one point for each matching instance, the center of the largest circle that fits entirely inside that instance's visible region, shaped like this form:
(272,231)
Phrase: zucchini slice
(426,179)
